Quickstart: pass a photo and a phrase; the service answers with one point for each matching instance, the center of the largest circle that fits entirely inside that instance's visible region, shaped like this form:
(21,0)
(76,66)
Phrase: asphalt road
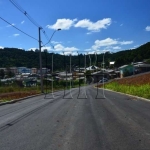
(81,121)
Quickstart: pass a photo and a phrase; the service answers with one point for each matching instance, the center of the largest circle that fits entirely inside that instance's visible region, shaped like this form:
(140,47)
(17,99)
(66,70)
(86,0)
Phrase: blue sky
(86,26)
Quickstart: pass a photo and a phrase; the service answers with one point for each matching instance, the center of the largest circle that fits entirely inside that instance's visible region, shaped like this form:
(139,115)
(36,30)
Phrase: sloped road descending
(116,123)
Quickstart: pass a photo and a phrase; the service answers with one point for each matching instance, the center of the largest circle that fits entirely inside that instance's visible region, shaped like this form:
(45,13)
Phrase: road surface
(76,122)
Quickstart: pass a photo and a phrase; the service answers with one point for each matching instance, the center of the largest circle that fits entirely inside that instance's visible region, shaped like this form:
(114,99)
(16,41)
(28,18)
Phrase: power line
(28,16)
(18,29)
(24,12)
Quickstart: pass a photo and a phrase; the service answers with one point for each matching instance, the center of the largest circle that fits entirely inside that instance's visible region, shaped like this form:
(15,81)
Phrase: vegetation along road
(117,122)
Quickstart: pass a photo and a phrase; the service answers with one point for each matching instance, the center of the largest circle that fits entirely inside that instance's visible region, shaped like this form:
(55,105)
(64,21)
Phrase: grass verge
(136,90)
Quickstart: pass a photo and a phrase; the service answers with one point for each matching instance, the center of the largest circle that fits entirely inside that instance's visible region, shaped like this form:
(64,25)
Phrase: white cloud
(93,26)
(1,47)
(68,53)
(147,28)
(16,35)
(87,50)
(22,22)
(42,49)
(55,42)
(33,48)
(108,44)
(116,48)
(60,47)
(105,42)
(11,25)
(126,42)
(64,24)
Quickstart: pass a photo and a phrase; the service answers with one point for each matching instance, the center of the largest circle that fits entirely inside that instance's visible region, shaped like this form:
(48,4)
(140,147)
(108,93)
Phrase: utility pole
(40,57)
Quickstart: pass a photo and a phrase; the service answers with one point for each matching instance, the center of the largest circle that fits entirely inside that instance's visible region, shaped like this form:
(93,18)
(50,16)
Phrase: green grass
(141,91)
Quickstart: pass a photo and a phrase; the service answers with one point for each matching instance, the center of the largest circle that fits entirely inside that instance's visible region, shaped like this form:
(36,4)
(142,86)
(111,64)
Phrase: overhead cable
(18,29)
(28,16)
(24,12)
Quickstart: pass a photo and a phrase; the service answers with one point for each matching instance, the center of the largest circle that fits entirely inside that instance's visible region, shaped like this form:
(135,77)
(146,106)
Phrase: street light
(51,37)
(40,57)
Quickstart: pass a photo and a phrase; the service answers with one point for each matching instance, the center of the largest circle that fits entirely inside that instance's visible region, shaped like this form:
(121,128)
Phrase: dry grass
(136,80)
(16,95)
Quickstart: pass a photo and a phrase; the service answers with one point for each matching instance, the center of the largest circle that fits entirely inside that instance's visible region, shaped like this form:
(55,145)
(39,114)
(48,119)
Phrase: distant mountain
(10,57)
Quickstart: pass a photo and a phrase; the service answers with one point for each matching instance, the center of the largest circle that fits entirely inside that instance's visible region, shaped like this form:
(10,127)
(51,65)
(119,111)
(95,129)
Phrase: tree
(2,73)
(10,74)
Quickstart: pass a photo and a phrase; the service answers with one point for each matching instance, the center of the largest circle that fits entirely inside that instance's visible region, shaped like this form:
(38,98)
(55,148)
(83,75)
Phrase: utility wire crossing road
(117,122)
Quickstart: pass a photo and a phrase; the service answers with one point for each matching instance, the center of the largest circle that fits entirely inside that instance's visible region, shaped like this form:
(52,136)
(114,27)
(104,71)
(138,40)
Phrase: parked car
(103,80)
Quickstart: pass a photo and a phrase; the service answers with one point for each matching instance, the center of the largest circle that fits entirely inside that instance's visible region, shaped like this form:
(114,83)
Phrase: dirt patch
(16,95)
(135,80)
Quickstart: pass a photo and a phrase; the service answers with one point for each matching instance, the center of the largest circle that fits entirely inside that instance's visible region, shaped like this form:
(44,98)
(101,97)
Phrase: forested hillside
(10,57)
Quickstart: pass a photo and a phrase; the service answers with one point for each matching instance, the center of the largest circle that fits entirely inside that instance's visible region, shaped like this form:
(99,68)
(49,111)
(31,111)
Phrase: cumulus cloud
(1,47)
(16,35)
(64,24)
(108,44)
(105,42)
(68,53)
(42,49)
(117,48)
(93,26)
(60,47)
(126,42)
(147,28)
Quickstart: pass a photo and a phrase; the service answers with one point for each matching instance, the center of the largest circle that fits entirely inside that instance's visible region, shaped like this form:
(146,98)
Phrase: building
(92,68)
(14,70)
(33,70)
(24,70)
(126,70)
(141,67)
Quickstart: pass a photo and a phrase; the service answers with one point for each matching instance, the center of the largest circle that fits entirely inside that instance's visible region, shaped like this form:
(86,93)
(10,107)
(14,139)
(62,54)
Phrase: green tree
(2,73)
(9,73)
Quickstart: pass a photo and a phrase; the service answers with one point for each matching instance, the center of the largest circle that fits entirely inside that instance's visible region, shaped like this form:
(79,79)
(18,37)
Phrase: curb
(127,94)
(20,99)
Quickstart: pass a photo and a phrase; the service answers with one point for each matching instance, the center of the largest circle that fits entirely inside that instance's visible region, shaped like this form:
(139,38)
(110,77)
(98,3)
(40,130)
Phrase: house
(24,70)
(33,70)
(79,69)
(65,76)
(111,64)
(141,67)
(126,70)
(92,68)
(14,70)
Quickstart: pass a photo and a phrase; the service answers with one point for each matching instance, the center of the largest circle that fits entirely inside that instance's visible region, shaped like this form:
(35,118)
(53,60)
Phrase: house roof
(92,68)
(123,66)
